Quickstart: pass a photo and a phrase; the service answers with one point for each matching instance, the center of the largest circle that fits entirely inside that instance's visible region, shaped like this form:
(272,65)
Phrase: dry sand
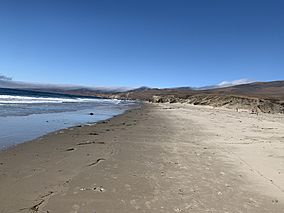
(160,158)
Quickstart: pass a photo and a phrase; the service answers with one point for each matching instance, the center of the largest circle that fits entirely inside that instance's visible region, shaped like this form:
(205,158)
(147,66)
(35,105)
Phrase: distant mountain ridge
(273,89)
(260,96)
(10,84)
(264,96)
(34,93)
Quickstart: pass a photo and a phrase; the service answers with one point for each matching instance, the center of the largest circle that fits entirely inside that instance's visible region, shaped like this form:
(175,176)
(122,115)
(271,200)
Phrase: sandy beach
(158,158)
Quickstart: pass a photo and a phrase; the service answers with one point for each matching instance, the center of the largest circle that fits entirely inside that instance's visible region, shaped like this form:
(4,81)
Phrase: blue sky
(158,43)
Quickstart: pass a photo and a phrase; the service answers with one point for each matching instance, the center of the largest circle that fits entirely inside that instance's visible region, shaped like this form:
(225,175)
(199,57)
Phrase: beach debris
(98,160)
(90,142)
(34,208)
(70,149)
(268,128)
(177,210)
(97,189)
(93,133)
(48,194)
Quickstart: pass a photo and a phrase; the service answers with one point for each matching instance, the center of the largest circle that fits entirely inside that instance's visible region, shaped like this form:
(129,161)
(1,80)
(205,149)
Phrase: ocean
(26,115)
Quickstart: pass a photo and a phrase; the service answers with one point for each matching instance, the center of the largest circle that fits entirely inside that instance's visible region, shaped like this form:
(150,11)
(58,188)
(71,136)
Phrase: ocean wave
(11,99)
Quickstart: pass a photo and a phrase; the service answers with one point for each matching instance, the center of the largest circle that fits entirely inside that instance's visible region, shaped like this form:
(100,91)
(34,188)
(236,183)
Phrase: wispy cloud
(234,82)
(4,78)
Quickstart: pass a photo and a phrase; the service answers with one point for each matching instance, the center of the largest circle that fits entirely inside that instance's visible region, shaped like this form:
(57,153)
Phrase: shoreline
(157,158)
(17,129)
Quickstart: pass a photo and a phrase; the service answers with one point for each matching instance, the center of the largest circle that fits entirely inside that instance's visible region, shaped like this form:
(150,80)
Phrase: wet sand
(160,158)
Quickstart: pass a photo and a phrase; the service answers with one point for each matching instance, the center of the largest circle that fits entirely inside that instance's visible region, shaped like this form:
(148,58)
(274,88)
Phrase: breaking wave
(13,99)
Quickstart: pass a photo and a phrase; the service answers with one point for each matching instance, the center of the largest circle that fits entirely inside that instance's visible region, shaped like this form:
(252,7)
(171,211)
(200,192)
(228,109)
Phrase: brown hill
(260,96)
(273,89)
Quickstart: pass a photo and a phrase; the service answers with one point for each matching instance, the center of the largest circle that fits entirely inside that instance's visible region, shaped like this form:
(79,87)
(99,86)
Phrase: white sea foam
(11,99)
